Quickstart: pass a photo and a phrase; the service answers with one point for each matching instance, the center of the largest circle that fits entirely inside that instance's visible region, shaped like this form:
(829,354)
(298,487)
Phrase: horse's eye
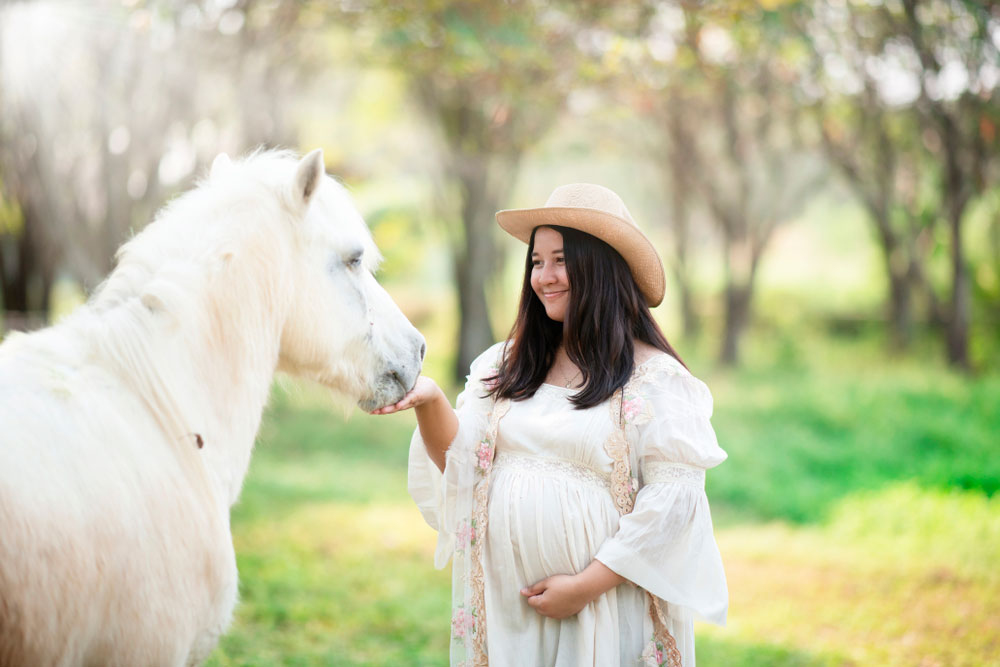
(354,261)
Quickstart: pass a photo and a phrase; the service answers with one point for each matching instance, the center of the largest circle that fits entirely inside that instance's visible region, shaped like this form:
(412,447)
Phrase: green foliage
(801,438)
(733,653)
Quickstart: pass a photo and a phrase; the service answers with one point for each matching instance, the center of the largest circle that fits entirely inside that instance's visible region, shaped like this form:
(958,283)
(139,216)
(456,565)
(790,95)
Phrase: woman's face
(548,273)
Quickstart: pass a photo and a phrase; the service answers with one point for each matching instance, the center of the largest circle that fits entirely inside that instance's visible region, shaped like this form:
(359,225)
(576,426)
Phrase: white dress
(550,508)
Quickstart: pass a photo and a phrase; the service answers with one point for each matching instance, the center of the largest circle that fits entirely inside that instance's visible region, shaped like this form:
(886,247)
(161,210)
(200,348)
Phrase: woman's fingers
(408,401)
(424,390)
(535,589)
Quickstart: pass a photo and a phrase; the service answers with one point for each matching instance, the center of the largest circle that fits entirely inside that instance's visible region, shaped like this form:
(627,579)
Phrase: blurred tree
(27,266)
(733,136)
(663,88)
(491,79)
(876,145)
(134,102)
(908,109)
(958,46)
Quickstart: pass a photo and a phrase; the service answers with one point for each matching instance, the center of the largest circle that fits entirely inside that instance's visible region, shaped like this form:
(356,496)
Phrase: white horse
(126,430)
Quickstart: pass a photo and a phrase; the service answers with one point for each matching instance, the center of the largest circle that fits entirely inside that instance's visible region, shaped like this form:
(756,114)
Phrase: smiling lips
(553,295)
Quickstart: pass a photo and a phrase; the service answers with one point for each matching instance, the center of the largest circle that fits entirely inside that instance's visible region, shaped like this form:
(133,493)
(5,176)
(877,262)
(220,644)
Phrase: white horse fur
(126,430)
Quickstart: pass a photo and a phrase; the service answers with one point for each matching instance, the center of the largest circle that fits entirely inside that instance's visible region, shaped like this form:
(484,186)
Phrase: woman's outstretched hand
(423,391)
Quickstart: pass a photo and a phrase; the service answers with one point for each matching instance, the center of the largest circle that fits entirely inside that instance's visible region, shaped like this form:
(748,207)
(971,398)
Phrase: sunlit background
(822,180)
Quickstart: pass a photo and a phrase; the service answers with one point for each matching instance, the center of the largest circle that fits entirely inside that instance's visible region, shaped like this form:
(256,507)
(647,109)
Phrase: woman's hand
(558,596)
(564,595)
(423,391)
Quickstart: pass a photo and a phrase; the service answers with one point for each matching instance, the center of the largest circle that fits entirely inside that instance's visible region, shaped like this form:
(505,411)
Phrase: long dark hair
(605,315)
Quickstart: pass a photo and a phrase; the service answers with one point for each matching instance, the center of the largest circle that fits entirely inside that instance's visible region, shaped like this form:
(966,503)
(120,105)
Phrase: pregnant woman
(568,483)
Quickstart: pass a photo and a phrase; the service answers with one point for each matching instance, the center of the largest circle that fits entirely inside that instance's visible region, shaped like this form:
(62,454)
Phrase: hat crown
(588,195)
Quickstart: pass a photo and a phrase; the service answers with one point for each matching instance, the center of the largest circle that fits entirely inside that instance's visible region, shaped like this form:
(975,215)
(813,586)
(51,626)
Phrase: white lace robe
(551,510)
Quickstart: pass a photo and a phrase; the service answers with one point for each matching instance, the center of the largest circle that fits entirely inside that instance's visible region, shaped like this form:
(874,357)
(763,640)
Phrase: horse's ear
(309,174)
(220,165)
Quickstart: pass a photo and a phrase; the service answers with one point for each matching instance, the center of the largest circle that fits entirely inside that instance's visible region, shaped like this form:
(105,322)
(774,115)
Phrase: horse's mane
(180,243)
(144,318)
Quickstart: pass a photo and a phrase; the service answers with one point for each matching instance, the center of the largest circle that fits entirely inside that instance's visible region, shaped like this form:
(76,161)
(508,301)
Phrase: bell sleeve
(445,499)
(666,544)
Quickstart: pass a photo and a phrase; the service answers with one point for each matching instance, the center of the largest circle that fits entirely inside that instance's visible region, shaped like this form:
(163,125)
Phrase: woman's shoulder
(488,362)
(651,362)
(661,380)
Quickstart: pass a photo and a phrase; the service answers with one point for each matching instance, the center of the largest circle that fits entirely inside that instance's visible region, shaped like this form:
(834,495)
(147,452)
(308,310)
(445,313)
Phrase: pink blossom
(463,624)
(632,407)
(459,623)
(466,535)
(485,453)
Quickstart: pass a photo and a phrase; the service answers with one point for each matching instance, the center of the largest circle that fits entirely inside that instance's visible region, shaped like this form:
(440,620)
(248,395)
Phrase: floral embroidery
(485,455)
(463,624)
(465,535)
(632,407)
(654,655)
(477,583)
(662,646)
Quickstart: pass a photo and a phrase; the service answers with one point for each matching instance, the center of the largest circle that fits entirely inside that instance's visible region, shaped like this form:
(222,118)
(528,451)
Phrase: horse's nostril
(423,348)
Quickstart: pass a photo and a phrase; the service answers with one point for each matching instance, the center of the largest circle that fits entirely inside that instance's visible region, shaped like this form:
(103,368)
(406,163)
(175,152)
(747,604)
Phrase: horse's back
(101,524)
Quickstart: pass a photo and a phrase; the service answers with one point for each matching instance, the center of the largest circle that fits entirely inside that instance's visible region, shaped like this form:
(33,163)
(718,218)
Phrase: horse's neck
(205,376)
(239,357)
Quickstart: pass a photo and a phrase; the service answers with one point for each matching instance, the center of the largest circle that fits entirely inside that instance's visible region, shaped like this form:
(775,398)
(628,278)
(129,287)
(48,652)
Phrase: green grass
(858,520)
(800,438)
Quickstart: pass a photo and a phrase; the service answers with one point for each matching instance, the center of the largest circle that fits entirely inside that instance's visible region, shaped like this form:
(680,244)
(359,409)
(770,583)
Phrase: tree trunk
(15,278)
(900,311)
(689,314)
(897,270)
(678,151)
(958,324)
(955,201)
(27,281)
(737,316)
(485,181)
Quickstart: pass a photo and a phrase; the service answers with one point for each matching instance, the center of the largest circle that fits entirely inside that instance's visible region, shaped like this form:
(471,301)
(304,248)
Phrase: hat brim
(623,236)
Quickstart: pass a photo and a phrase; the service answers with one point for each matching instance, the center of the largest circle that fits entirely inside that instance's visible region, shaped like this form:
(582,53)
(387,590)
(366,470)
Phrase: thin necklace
(569,382)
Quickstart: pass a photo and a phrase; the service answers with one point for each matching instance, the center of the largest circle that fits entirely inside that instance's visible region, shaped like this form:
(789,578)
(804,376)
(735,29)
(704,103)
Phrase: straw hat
(599,212)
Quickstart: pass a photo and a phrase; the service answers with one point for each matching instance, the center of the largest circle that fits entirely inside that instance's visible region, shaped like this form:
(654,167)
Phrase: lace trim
(478,583)
(678,473)
(662,639)
(616,447)
(552,467)
(623,489)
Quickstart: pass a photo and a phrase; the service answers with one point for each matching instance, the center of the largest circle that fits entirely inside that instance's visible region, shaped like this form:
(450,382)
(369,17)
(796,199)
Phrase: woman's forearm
(597,579)
(438,425)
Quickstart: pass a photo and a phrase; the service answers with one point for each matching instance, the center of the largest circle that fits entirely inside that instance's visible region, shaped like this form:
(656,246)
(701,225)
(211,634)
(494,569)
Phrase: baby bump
(546,516)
